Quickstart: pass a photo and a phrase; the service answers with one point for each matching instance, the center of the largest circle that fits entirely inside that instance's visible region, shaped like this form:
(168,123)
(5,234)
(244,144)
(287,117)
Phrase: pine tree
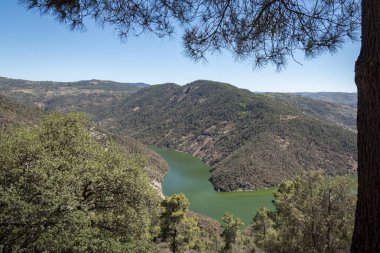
(181,231)
(231,230)
(263,227)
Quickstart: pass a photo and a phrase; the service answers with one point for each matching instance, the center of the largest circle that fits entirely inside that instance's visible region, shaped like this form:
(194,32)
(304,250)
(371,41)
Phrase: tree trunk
(366,237)
(174,241)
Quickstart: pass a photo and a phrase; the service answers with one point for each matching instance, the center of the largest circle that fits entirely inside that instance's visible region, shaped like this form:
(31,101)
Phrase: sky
(36,47)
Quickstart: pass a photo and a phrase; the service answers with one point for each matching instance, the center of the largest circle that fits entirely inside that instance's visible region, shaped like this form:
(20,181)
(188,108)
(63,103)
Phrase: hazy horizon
(126,82)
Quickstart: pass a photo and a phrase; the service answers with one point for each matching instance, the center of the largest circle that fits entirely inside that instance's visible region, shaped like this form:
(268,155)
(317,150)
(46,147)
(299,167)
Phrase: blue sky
(38,48)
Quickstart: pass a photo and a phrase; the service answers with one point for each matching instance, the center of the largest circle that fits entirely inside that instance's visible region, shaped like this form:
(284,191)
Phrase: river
(190,175)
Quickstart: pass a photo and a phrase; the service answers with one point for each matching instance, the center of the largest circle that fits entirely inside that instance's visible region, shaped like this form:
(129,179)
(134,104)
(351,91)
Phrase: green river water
(190,175)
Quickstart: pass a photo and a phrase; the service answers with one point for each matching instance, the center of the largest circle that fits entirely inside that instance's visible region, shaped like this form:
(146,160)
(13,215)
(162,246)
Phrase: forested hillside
(250,140)
(340,112)
(13,113)
(344,98)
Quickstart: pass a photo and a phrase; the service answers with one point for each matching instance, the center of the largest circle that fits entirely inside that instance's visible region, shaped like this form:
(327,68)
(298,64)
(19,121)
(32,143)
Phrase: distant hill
(41,92)
(343,114)
(344,98)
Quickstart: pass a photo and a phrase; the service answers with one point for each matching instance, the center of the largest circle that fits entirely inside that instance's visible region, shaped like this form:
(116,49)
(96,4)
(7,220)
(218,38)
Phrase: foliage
(209,238)
(231,230)
(314,213)
(58,180)
(263,225)
(188,234)
(262,31)
(181,231)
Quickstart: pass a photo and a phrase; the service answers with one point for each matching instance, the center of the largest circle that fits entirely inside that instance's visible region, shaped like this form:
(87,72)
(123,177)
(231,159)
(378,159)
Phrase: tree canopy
(262,31)
(181,231)
(314,213)
(56,179)
(231,230)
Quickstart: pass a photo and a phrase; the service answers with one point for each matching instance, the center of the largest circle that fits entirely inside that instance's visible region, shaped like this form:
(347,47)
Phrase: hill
(343,114)
(344,98)
(13,113)
(250,140)
(99,98)
(41,93)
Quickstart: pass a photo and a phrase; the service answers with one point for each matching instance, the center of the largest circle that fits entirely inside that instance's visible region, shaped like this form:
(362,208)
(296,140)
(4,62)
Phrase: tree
(58,180)
(180,230)
(231,229)
(313,213)
(188,234)
(263,227)
(265,31)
